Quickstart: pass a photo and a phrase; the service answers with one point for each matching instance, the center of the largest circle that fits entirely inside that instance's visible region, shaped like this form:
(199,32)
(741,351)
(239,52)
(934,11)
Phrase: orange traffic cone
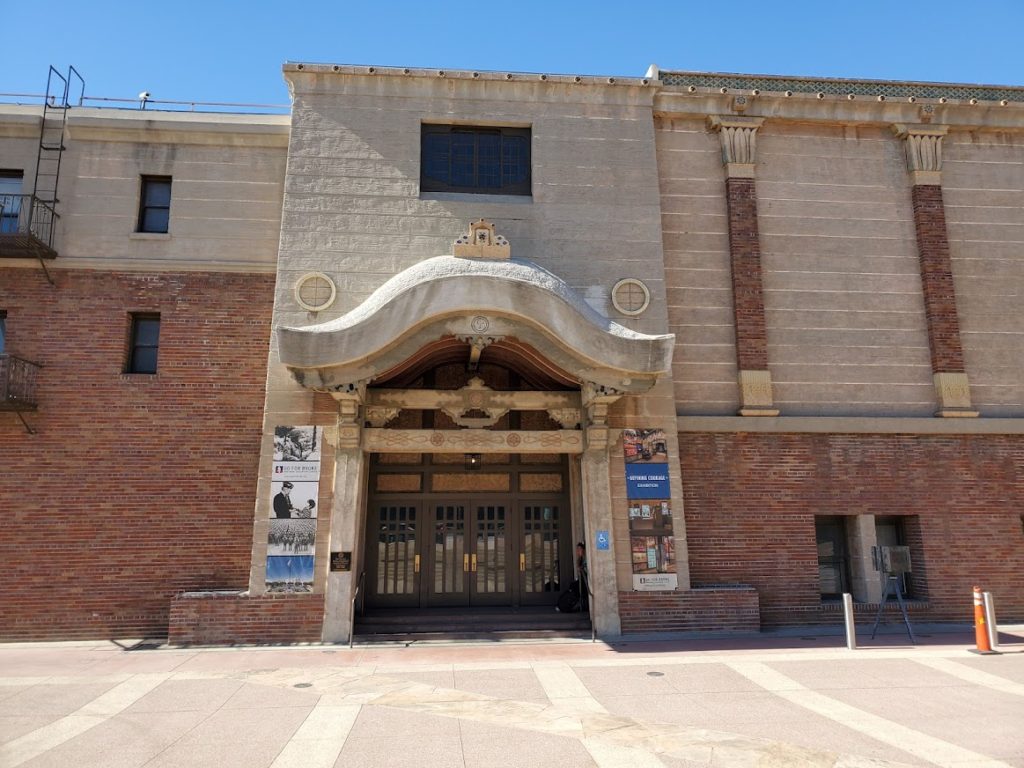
(980,630)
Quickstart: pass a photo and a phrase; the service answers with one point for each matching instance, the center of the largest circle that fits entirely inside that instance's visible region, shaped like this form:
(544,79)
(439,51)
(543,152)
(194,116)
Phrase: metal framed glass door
(543,570)
(491,579)
(394,555)
(448,560)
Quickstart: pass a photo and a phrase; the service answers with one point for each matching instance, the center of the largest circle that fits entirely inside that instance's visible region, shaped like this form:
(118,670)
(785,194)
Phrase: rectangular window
(459,158)
(10,200)
(155,204)
(833,561)
(143,343)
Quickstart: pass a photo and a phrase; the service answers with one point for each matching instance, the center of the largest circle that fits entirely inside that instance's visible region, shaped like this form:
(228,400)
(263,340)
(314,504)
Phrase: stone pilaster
(739,144)
(923,144)
(597,515)
(346,516)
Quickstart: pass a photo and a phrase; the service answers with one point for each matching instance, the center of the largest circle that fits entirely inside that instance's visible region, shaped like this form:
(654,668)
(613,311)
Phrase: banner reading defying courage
(295,495)
(651,540)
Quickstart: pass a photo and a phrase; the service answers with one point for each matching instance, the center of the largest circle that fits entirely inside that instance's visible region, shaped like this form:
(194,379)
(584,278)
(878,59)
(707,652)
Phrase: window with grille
(459,158)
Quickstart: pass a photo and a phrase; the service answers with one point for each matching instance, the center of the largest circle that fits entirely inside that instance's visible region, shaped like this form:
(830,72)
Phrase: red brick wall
(747,296)
(231,619)
(698,610)
(937,279)
(135,487)
(750,501)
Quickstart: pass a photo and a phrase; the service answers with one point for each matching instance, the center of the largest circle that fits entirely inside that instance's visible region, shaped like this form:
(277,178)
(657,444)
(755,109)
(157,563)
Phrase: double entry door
(467,552)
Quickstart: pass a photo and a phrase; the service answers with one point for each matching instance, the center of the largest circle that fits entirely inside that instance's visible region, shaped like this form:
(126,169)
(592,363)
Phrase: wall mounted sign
(295,499)
(341,561)
(649,497)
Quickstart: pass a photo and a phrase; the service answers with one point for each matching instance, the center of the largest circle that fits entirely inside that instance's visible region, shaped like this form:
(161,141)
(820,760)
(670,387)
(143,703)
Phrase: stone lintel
(472,441)
(477,397)
(954,392)
(756,394)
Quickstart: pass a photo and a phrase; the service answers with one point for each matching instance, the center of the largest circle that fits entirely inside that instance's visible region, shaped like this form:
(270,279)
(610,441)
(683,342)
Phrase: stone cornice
(830,86)
(804,108)
(466,74)
(880,425)
(140,126)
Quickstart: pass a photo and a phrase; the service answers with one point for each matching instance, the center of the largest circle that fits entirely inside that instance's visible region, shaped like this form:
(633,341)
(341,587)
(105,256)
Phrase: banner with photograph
(295,499)
(651,540)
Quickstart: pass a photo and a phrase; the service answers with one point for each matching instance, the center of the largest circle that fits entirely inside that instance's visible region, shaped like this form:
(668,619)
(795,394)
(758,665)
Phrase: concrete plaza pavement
(766,700)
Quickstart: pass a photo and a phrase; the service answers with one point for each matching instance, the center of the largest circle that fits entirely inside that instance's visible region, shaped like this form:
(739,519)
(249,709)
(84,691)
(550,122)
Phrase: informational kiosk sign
(651,540)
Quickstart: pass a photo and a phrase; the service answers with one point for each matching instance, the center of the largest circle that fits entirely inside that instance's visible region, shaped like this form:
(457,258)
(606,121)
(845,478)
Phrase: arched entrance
(455,358)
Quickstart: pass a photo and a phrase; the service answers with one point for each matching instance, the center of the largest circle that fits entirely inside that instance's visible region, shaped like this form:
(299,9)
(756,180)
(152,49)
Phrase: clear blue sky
(230,50)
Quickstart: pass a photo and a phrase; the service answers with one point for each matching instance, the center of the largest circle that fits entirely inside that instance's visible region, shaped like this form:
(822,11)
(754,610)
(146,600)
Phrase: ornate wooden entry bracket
(385,404)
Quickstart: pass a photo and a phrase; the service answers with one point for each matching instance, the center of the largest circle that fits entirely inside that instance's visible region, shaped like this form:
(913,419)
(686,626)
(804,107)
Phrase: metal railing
(352,609)
(17,383)
(27,215)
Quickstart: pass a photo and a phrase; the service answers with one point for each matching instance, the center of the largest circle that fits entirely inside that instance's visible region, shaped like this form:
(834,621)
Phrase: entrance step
(470,623)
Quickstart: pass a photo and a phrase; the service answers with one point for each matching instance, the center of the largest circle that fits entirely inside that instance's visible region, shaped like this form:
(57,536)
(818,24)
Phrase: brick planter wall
(134,487)
(233,618)
(711,609)
(750,502)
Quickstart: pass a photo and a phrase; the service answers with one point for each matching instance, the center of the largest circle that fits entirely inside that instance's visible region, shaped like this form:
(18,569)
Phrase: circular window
(315,291)
(630,296)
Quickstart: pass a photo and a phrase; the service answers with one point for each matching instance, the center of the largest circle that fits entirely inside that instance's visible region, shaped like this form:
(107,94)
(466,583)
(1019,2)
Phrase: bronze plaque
(341,561)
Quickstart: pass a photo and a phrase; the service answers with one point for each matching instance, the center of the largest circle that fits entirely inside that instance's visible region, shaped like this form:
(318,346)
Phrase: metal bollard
(851,626)
(990,619)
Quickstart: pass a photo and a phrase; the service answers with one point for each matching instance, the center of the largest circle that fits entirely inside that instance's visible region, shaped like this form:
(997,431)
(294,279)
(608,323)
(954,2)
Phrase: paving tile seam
(935,750)
(974,676)
(647,739)
(99,710)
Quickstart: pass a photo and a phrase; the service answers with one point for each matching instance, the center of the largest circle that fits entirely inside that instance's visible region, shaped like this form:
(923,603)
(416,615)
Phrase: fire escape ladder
(44,201)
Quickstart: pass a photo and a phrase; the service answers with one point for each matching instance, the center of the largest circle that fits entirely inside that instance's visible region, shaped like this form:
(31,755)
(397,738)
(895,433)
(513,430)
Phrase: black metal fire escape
(27,223)
(29,219)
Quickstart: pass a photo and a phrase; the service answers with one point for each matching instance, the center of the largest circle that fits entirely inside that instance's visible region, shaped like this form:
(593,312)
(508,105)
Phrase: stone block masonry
(134,487)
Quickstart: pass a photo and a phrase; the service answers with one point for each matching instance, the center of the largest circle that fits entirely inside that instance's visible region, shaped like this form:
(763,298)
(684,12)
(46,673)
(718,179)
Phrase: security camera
(144,95)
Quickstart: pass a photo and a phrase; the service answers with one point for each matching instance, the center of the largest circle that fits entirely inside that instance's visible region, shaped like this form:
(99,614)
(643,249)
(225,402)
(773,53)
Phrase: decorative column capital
(350,400)
(739,143)
(923,145)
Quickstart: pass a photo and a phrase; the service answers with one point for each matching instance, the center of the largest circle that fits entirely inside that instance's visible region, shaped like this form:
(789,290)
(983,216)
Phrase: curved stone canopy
(477,299)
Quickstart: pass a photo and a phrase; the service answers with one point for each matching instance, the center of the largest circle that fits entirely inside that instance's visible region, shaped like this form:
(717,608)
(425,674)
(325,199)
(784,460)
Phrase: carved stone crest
(481,242)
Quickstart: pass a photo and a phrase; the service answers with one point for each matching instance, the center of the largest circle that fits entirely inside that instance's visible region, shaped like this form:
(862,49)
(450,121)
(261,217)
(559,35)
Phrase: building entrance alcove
(451,539)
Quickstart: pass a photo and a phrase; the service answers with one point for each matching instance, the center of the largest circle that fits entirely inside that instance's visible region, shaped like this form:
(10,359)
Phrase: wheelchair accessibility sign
(602,540)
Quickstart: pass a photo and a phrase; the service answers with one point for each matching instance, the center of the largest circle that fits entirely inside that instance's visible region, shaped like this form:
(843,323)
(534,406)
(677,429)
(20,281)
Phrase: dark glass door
(394,558)
(542,553)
